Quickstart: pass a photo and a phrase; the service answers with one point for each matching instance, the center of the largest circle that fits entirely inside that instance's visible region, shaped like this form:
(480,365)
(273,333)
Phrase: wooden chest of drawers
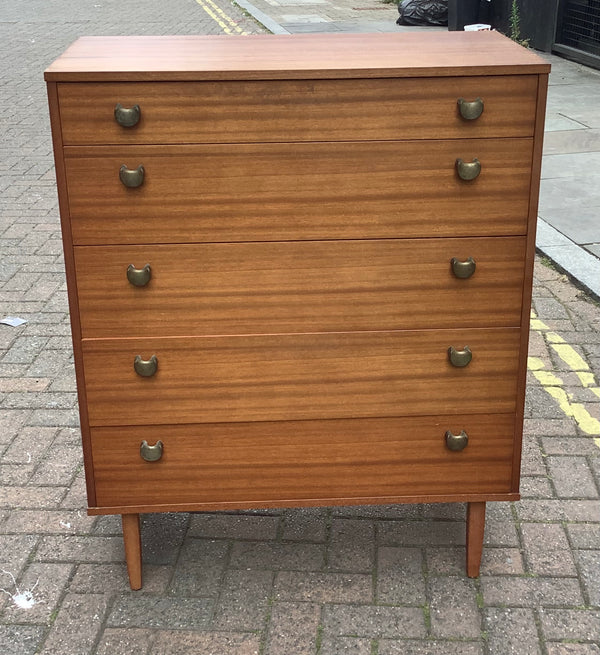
(299,268)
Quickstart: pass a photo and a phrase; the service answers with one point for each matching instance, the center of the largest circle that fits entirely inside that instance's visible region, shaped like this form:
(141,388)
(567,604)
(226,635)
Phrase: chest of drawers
(299,268)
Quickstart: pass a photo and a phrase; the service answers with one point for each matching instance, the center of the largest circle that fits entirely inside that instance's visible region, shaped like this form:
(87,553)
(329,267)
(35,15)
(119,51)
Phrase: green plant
(515,25)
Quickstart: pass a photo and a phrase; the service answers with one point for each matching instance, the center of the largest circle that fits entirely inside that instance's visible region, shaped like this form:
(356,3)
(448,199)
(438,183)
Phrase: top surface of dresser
(316,56)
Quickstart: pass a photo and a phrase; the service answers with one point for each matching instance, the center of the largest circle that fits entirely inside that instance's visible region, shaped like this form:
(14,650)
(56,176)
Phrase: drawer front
(303,460)
(293,377)
(273,192)
(310,286)
(296,110)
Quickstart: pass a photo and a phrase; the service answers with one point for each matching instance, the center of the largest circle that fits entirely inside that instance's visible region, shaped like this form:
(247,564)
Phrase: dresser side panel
(65,222)
(529,263)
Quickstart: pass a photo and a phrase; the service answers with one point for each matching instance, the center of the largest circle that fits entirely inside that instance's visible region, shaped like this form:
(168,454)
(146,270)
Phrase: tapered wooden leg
(133,548)
(475,529)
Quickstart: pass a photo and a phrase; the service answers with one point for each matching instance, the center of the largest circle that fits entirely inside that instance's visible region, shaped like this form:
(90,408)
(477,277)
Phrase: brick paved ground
(359,581)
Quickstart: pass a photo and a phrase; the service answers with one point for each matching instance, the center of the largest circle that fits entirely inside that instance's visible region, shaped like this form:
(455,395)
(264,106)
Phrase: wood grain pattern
(474,541)
(297,56)
(271,192)
(67,242)
(536,168)
(312,286)
(289,461)
(298,110)
(288,377)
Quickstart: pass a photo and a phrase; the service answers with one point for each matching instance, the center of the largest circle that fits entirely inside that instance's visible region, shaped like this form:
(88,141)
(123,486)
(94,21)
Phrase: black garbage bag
(423,12)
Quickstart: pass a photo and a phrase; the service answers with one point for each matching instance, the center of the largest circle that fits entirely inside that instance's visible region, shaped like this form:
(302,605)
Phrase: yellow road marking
(225,22)
(553,384)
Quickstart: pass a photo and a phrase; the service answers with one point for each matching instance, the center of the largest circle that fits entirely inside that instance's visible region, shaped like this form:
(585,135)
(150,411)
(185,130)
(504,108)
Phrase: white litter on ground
(23,599)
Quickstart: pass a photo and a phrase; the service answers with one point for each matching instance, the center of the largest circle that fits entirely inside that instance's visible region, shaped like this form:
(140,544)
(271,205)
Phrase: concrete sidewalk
(569,210)
(326,581)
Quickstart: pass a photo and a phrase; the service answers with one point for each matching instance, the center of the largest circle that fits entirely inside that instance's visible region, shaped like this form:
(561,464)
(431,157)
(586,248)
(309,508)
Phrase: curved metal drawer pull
(468,170)
(139,277)
(131,177)
(127,117)
(470,110)
(459,358)
(464,269)
(454,441)
(145,367)
(151,453)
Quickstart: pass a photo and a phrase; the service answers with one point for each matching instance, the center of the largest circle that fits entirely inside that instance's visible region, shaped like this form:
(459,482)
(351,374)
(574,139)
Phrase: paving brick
(233,526)
(162,537)
(48,522)
(31,497)
(59,465)
(500,534)
(572,477)
(453,607)
(589,564)
(11,422)
(584,535)
(143,611)
(581,446)
(573,649)
(346,646)
(579,624)
(20,639)
(445,561)
(416,533)
(200,567)
(276,556)
(29,446)
(400,577)
(243,601)
(321,587)
(557,510)
(373,622)
(531,592)
(15,550)
(511,631)
(351,545)
(178,642)
(536,487)
(119,640)
(47,583)
(77,625)
(112,578)
(501,561)
(547,550)
(429,647)
(305,526)
(75,548)
(293,628)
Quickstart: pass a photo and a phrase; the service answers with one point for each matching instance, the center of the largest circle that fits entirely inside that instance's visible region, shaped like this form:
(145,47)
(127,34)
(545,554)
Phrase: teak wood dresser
(299,268)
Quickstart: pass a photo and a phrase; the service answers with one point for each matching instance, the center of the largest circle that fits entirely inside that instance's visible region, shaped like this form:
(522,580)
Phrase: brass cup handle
(139,277)
(145,367)
(151,453)
(131,177)
(127,116)
(459,358)
(454,441)
(470,110)
(464,269)
(468,170)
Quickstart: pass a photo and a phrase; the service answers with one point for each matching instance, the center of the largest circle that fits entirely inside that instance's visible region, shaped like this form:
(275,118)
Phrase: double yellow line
(225,22)
(553,385)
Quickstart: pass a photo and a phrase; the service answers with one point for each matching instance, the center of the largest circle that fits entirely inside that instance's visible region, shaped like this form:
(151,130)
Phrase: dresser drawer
(297,110)
(303,460)
(272,192)
(306,286)
(281,377)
